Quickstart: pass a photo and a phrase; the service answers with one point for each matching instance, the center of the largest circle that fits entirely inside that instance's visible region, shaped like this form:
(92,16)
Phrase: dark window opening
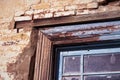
(88,61)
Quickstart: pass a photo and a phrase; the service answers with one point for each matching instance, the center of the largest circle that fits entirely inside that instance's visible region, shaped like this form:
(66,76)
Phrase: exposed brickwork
(82,6)
(66,8)
(92,5)
(65,13)
(71,7)
(25,18)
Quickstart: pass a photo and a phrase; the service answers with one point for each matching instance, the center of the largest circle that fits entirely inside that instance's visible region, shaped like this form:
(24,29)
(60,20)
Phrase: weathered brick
(57,9)
(23,18)
(30,12)
(81,6)
(101,1)
(65,13)
(92,5)
(38,11)
(48,15)
(107,8)
(86,1)
(42,15)
(92,12)
(19,13)
(82,12)
(71,7)
(41,6)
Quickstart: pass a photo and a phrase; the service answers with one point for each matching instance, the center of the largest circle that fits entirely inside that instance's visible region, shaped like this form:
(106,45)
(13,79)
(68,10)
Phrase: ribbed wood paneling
(43,61)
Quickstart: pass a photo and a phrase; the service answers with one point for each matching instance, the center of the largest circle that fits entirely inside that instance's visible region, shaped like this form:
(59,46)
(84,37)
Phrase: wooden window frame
(44,54)
(43,57)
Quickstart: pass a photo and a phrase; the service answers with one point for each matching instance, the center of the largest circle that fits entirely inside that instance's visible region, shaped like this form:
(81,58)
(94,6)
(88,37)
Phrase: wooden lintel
(70,19)
(87,39)
(22,24)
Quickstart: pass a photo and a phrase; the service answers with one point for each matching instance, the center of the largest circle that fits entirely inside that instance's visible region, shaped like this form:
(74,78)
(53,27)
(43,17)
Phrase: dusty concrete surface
(15,48)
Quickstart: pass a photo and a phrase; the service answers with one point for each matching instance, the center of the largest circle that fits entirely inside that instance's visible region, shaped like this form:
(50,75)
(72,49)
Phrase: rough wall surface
(15,47)
(11,47)
(13,44)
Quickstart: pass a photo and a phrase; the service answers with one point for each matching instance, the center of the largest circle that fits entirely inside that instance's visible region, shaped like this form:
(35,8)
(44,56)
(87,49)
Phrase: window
(51,37)
(91,64)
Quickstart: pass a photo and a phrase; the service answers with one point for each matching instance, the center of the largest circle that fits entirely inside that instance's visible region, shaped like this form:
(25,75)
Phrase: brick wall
(15,48)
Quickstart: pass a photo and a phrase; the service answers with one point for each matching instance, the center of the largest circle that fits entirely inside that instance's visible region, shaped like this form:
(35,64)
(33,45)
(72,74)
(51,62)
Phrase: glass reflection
(71,64)
(103,77)
(102,63)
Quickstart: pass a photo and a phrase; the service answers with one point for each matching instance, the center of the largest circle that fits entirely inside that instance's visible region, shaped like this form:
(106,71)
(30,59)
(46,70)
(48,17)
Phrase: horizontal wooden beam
(88,39)
(69,19)
(84,33)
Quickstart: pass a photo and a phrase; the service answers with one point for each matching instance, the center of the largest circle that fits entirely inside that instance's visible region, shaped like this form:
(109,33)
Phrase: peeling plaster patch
(80,27)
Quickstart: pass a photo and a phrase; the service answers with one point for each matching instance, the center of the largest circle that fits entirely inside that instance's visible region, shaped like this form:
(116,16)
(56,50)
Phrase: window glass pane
(71,78)
(102,63)
(103,77)
(71,64)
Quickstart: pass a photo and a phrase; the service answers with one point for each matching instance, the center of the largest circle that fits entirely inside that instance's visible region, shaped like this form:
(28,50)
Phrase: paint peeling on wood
(65,29)
(109,37)
(97,31)
(83,31)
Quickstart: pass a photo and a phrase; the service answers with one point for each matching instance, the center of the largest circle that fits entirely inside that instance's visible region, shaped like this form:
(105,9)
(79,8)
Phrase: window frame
(82,53)
(45,57)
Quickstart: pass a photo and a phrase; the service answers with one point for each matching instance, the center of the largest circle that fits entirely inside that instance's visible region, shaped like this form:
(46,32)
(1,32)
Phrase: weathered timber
(43,58)
(69,19)
(80,27)
(87,39)
(84,33)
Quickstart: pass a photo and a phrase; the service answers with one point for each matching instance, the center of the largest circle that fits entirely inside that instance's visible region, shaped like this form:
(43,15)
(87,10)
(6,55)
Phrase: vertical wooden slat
(43,64)
(37,60)
(43,61)
(50,61)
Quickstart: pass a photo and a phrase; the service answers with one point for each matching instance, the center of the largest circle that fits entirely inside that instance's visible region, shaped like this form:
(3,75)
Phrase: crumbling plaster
(14,47)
